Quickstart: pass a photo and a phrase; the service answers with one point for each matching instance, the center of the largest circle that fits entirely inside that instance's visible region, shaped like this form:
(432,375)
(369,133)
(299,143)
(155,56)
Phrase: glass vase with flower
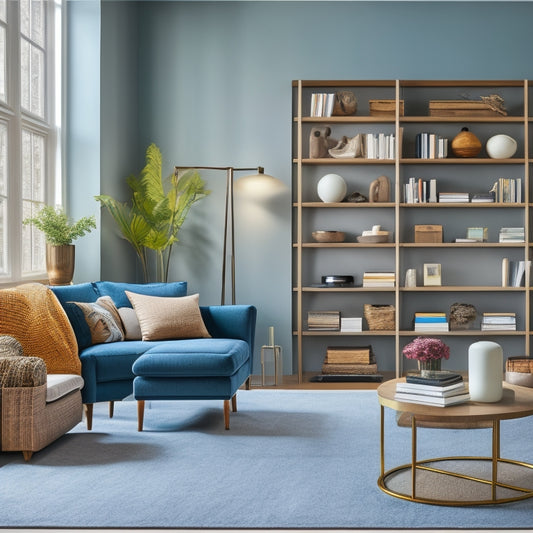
(429,353)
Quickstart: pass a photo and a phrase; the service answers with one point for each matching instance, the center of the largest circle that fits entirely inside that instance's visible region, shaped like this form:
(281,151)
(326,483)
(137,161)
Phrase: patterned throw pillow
(95,323)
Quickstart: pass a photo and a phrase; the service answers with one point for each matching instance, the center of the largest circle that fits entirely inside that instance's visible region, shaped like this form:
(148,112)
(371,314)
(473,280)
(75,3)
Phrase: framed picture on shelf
(432,274)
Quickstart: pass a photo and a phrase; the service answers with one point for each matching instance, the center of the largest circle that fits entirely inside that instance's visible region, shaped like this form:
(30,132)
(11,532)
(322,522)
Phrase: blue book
(430,319)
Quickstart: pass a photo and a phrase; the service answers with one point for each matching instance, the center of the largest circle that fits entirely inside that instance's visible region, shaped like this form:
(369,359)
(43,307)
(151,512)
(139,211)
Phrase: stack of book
(512,235)
(349,360)
(454,197)
(351,324)
(379,146)
(324,320)
(379,279)
(498,321)
(514,272)
(420,191)
(430,146)
(431,322)
(483,197)
(442,389)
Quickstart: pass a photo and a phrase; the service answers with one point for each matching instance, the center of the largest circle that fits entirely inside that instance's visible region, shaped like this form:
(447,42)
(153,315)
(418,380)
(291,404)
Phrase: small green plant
(57,228)
(157,211)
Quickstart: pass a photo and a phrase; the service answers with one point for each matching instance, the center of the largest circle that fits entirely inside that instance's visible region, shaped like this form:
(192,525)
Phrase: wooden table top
(517,402)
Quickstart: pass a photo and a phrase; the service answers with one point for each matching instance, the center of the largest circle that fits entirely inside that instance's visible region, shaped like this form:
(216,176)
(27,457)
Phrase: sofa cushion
(193,357)
(113,361)
(59,385)
(117,290)
(168,318)
(130,323)
(96,322)
(81,292)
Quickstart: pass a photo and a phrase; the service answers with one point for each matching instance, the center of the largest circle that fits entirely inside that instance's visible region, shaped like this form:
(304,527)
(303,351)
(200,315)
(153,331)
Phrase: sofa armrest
(231,321)
(22,371)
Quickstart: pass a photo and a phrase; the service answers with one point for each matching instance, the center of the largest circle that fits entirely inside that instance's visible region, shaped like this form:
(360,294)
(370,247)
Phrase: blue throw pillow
(80,292)
(116,290)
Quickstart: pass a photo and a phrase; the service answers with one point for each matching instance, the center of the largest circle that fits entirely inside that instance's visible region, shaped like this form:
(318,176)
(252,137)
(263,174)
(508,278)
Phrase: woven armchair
(36,409)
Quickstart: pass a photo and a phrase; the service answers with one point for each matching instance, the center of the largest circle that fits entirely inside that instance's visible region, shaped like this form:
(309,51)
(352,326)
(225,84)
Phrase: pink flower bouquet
(426,349)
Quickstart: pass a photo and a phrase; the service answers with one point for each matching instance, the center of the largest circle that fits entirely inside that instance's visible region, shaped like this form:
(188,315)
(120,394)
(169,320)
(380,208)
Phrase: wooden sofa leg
(234,403)
(89,415)
(111,409)
(248,383)
(226,414)
(27,455)
(140,415)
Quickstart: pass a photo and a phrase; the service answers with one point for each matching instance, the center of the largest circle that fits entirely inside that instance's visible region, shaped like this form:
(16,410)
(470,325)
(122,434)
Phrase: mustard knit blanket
(33,315)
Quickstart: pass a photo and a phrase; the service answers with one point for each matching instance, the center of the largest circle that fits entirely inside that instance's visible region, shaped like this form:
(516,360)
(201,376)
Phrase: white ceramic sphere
(501,146)
(331,188)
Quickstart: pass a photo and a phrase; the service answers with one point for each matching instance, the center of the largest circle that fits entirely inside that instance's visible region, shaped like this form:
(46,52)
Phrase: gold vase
(60,263)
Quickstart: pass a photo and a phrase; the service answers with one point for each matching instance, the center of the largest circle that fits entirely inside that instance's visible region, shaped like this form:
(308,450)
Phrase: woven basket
(380,317)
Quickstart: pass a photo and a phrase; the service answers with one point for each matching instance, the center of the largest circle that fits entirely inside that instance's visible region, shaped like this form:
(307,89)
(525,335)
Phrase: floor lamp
(229,219)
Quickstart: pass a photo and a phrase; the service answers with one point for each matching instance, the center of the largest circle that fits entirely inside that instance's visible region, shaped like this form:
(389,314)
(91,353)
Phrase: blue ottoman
(192,369)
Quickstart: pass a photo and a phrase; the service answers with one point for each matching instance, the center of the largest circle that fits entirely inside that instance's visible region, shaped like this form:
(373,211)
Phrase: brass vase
(60,263)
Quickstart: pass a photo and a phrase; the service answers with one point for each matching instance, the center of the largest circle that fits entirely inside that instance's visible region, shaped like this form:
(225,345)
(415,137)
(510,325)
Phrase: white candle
(271,336)
(485,371)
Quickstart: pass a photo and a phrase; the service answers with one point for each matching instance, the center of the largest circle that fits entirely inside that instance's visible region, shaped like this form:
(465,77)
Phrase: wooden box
(428,233)
(460,108)
(385,108)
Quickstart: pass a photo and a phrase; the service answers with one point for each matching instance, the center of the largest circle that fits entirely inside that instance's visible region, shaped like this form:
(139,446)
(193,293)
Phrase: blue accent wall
(210,83)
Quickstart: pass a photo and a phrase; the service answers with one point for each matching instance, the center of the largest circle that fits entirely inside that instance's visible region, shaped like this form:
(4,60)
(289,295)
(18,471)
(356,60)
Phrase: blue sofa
(107,368)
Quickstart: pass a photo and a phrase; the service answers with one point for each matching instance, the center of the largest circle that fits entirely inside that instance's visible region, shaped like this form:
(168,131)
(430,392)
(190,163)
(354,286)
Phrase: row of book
(508,190)
(420,191)
(512,235)
(349,360)
(379,146)
(514,272)
(430,146)
(437,321)
(498,321)
(441,389)
(379,279)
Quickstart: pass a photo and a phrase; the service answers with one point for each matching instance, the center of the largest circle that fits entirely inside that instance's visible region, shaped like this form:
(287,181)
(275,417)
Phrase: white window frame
(17,119)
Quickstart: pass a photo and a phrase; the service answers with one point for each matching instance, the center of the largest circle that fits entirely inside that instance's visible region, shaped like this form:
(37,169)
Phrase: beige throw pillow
(162,317)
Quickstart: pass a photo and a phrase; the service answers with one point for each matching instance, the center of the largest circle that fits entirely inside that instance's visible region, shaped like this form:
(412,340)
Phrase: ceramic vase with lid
(466,144)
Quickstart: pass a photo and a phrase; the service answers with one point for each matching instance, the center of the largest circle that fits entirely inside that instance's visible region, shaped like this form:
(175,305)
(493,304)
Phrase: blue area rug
(292,459)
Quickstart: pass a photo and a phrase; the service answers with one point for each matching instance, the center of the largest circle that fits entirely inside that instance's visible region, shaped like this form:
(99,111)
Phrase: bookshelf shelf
(471,271)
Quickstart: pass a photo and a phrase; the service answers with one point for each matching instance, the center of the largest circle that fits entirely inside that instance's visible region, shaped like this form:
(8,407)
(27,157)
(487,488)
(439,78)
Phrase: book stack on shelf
(379,279)
(420,191)
(351,324)
(431,322)
(322,104)
(512,235)
(439,389)
(508,190)
(379,146)
(324,320)
(348,360)
(454,197)
(483,197)
(498,322)
(514,272)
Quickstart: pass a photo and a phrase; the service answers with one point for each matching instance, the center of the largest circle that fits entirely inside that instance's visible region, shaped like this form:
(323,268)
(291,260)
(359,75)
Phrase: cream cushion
(59,385)
(168,317)
(130,322)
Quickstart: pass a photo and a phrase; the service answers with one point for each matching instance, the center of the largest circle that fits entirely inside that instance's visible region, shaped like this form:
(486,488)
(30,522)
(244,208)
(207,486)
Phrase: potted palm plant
(157,211)
(60,232)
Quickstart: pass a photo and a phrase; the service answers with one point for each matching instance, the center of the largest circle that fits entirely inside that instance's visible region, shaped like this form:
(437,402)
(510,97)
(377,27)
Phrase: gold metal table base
(418,466)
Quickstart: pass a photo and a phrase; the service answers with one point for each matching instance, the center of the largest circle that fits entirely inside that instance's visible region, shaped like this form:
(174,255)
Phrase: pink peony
(426,349)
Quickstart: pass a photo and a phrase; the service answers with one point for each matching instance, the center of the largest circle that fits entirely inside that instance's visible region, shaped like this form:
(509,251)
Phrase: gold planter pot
(60,263)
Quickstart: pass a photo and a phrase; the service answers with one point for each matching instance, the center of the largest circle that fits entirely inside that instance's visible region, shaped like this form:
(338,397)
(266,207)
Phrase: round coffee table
(466,477)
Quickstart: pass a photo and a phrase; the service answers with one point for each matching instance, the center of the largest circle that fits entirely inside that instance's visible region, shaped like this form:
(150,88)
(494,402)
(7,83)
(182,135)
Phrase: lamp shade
(259,186)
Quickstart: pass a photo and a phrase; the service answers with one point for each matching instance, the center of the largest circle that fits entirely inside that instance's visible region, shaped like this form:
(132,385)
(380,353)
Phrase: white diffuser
(485,371)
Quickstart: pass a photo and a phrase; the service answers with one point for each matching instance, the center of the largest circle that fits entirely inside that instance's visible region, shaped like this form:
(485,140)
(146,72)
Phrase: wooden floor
(291,382)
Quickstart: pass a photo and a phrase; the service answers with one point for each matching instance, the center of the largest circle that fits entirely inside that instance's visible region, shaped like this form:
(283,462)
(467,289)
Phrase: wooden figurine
(379,190)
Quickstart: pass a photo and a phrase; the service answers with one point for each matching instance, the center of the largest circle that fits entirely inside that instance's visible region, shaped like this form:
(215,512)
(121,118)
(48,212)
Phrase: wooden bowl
(328,236)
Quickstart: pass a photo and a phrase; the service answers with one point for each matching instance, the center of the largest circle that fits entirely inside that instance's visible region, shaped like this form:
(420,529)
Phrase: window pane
(33,194)
(3,236)
(37,22)
(33,166)
(25,17)
(3,15)
(3,159)
(2,64)
(32,78)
